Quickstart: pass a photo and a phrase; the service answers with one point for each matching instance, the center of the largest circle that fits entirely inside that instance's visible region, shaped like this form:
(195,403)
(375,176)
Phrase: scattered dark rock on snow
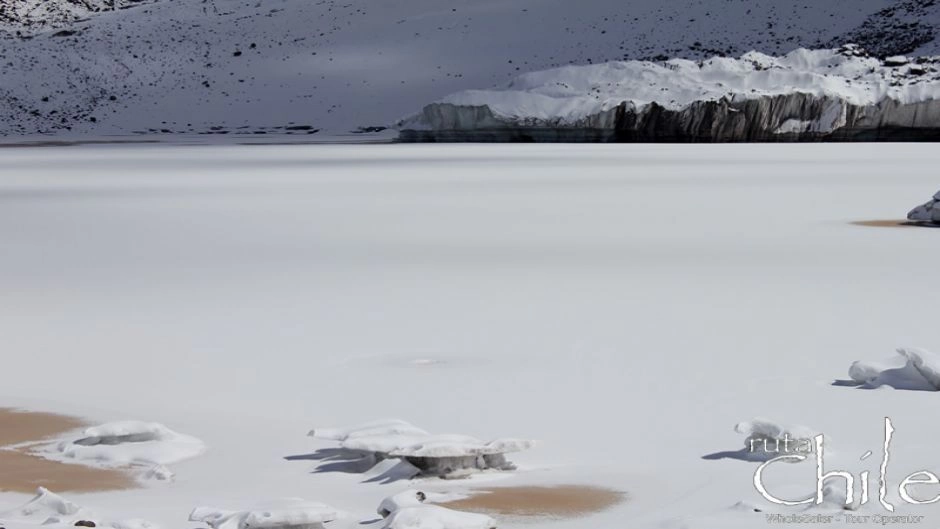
(928,213)
(895,30)
(85,523)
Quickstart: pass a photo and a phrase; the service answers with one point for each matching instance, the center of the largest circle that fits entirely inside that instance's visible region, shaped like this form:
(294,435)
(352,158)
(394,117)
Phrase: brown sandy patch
(561,501)
(23,426)
(22,472)
(893,224)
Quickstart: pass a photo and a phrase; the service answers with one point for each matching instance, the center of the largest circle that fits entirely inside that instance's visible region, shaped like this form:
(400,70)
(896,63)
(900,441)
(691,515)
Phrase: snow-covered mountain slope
(218,65)
(805,93)
(30,16)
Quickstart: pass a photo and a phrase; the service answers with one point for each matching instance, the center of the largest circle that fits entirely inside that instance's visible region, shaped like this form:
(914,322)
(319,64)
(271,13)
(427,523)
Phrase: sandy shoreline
(23,472)
(560,501)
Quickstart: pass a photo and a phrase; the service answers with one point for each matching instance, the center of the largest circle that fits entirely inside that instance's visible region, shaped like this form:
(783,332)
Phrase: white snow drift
(769,438)
(47,509)
(127,443)
(436,517)
(447,455)
(911,369)
(413,498)
(295,513)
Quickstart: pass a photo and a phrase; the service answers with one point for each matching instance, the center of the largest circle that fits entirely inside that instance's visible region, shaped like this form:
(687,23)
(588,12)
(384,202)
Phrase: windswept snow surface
(624,304)
(234,67)
(568,95)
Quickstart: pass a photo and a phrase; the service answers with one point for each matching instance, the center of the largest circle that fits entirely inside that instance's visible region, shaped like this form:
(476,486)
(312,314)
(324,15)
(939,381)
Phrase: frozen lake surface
(627,305)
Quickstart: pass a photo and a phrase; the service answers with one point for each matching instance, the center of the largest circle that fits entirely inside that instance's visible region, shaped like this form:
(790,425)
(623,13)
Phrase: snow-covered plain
(626,305)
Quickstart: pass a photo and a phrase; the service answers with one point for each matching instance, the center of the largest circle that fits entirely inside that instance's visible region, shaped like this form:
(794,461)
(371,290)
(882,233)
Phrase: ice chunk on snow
(286,512)
(448,445)
(414,498)
(127,443)
(381,427)
(158,473)
(44,507)
(929,212)
(914,369)
(461,445)
(50,509)
(435,517)
(769,438)
(390,470)
(383,444)
(408,498)
(443,455)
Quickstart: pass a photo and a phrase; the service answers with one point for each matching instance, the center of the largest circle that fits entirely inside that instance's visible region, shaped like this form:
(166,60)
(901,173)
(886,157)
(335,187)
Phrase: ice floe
(295,513)
(766,439)
(147,446)
(448,455)
(913,369)
(929,212)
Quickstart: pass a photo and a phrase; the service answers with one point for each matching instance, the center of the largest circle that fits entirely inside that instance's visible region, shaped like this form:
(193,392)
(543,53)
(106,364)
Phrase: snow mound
(913,369)
(408,498)
(929,212)
(445,455)
(286,512)
(381,427)
(435,517)
(49,509)
(127,443)
(414,498)
(766,438)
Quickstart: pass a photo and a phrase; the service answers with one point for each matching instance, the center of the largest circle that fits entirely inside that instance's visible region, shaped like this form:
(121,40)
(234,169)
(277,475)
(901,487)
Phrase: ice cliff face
(839,94)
